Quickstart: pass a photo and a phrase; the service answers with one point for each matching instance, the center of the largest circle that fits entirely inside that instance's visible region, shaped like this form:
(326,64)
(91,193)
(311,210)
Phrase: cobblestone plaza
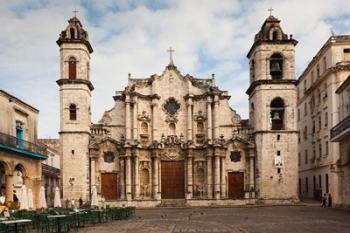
(286,219)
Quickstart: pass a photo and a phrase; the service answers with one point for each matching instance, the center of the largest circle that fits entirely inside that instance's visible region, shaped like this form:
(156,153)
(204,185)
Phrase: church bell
(276,116)
(275,68)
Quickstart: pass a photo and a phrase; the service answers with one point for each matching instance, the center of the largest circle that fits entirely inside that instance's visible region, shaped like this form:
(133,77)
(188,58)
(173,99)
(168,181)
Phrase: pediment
(239,140)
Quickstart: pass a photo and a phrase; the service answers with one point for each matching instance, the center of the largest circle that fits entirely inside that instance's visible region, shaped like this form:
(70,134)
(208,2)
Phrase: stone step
(173,203)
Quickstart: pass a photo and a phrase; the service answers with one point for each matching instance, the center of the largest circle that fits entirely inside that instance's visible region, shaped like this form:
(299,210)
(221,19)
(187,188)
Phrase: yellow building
(341,133)
(20,155)
(318,112)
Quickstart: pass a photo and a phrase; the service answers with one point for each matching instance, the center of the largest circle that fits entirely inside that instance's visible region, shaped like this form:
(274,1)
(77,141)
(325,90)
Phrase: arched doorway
(2,180)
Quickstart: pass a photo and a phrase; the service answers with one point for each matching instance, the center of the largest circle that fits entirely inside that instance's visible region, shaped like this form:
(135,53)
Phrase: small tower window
(276,64)
(275,35)
(72,68)
(72,112)
(277,114)
(72,33)
(252,70)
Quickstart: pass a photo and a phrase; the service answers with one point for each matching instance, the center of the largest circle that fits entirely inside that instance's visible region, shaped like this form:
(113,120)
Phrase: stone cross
(170,50)
(270,9)
(75,12)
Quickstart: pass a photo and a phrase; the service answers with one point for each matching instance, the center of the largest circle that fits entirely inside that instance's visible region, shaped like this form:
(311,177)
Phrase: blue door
(19,135)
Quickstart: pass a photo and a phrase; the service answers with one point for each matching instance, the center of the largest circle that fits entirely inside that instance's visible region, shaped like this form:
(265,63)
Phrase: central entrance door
(235,185)
(173,179)
(109,186)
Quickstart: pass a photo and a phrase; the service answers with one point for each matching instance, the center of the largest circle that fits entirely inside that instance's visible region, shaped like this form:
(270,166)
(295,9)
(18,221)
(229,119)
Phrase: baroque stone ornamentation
(144,117)
(171,106)
(108,156)
(200,117)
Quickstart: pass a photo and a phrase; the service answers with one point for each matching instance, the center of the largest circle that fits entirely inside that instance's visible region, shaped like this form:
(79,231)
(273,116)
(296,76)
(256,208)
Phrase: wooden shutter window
(72,68)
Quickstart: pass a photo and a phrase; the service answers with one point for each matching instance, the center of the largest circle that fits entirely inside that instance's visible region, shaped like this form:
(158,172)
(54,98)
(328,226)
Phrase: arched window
(72,68)
(275,35)
(252,70)
(2,180)
(88,70)
(72,112)
(72,33)
(277,114)
(276,66)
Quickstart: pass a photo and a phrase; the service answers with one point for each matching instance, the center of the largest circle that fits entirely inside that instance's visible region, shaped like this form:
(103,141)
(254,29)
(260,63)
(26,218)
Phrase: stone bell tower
(272,112)
(75,112)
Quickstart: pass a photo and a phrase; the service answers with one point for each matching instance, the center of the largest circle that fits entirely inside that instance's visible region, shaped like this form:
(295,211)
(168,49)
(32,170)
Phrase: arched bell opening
(276,66)
(277,114)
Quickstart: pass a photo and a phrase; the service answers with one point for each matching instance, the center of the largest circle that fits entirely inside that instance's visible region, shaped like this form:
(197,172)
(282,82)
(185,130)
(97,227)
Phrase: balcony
(341,130)
(21,147)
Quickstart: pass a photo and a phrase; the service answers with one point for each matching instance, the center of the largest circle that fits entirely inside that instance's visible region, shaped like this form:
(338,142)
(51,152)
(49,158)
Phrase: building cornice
(61,82)
(256,83)
(270,42)
(331,41)
(61,41)
(11,98)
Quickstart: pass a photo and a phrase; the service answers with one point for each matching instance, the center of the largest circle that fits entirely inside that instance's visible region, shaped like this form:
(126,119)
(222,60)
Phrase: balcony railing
(18,146)
(340,128)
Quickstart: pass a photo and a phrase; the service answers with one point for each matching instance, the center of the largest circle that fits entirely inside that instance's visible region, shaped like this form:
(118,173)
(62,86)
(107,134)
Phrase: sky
(129,36)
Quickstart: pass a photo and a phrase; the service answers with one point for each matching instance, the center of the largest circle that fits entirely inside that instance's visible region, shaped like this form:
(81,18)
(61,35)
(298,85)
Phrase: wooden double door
(173,179)
(109,186)
(235,185)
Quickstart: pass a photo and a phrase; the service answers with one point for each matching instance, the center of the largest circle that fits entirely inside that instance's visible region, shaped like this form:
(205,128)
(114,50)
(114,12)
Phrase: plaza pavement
(308,218)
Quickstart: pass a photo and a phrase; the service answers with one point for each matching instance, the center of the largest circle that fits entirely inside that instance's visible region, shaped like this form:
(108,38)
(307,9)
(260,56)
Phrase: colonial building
(20,153)
(174,136)
(51,169)
(341,133)
(318,112)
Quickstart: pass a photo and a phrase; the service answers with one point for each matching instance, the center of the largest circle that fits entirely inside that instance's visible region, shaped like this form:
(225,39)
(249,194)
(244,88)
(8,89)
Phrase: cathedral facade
(174,136)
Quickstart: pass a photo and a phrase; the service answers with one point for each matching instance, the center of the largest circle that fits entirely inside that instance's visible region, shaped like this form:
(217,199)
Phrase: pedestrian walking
(324,198)
(329,200)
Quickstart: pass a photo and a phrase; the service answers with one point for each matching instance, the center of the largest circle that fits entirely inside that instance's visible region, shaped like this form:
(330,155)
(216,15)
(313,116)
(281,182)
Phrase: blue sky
(209,36)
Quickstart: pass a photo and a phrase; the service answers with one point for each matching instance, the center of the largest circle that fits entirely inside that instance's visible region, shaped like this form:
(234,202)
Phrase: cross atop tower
(170,50)
(270,9)
(75,12)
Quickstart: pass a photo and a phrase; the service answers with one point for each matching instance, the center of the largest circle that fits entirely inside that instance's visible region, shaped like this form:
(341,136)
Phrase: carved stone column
(217,176)
(155,177)
(9,188)
(210,120)
(122,178)
(93,171)
(251,173)
(189,175)
(189,119)
(134,120)
(127,118)
(128,176)
(209,176)
(154,118)
(136,177)
(159,178)
(223,177)
(216,117)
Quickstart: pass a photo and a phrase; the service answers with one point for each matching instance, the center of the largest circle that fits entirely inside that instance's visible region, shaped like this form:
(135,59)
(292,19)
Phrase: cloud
(132,37)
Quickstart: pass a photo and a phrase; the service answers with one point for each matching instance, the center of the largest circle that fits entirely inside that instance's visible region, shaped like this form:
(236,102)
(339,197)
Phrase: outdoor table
(16,222)
(77,218)
(58,220)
